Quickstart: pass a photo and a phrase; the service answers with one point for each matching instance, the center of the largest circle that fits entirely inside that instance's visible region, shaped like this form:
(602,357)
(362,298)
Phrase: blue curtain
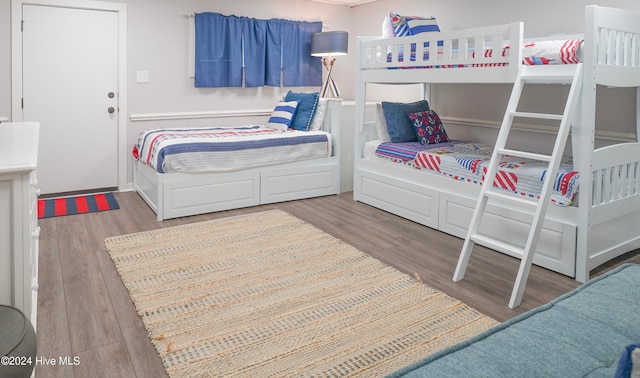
(265,48)
(274,52)
(218,60)
(255,51)
(299,68)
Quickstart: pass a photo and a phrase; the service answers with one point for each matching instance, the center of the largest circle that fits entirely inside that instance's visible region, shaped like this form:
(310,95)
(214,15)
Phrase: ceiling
(351,3)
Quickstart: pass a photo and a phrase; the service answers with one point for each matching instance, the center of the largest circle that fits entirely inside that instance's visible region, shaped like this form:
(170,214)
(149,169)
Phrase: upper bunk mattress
(545,52)
(220,149)
(465,161)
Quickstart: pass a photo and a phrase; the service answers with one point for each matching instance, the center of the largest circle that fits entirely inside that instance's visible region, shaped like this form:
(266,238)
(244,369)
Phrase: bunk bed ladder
(568,74)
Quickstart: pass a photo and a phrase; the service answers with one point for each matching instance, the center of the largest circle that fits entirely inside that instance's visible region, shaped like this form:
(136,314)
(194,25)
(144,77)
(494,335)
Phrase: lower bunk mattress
(467,161)
(223,149)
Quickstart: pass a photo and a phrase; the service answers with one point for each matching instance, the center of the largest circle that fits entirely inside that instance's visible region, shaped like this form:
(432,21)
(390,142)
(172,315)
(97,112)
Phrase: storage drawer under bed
(556,245)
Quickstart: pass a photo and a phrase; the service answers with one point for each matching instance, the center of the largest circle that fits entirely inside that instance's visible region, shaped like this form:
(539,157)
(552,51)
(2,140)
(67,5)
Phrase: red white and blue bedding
(464,161)
(218,149)
(566,51)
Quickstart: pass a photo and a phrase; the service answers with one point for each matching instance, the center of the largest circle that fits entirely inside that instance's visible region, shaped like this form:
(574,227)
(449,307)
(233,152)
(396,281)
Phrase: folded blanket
(552,52)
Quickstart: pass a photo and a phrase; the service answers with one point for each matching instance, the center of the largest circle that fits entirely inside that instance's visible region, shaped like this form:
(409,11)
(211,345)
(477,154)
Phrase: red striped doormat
(57,207)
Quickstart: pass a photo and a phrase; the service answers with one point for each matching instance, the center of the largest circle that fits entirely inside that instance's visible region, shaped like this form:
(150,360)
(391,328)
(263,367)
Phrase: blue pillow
(399,126)
(282,115)
(307,105)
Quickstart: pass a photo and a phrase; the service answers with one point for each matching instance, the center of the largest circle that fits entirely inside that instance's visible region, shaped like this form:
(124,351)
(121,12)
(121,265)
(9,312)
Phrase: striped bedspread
(219,149)
(468,162)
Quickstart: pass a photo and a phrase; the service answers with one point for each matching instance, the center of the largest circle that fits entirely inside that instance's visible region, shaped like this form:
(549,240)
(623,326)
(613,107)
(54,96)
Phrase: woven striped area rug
(267,294)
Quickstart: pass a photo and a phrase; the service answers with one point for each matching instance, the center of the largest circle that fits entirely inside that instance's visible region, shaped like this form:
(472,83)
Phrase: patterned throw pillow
(412,25)
(428,127)
(399,25)
(282,115)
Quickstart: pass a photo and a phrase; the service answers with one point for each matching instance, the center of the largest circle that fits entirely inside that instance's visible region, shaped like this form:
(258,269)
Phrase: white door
(70,86)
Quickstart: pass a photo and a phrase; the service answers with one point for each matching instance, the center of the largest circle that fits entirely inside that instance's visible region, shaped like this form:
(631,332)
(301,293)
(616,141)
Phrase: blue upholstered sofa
(583,333)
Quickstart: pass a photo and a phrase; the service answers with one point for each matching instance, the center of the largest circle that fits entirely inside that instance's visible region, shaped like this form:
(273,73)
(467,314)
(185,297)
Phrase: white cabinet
(19,231)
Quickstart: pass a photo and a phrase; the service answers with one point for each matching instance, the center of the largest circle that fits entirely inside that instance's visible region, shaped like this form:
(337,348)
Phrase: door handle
(111,110)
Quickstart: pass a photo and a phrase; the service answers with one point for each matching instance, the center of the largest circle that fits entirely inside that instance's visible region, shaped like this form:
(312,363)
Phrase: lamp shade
(329,43)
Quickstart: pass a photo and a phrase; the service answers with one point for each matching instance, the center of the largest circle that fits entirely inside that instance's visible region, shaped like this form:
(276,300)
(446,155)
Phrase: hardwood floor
(84,311)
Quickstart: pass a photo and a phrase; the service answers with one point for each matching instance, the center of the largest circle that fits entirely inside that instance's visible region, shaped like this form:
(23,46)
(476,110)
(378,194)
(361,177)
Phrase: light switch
(142,76)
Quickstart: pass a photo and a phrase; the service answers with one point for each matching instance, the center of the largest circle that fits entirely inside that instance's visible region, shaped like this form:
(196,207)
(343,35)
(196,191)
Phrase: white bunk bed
(574,239)
(178,194)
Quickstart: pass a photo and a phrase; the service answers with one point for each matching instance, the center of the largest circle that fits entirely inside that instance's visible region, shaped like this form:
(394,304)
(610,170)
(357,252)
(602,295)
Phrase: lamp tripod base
(329,87)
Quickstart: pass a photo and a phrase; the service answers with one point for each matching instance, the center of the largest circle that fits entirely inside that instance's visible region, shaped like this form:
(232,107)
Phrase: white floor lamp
(327,45)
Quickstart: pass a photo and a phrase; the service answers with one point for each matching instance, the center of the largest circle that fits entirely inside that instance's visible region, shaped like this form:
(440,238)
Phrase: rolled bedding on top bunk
(219,149)
(561,51)
(565,51)
(466,161)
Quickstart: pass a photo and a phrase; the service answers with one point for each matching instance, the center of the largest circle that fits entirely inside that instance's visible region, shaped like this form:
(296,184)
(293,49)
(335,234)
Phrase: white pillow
(282,115)
(381,124)
(387,28)
(318,118)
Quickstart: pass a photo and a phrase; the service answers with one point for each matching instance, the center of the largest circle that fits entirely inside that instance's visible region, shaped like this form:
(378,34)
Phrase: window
(230,51)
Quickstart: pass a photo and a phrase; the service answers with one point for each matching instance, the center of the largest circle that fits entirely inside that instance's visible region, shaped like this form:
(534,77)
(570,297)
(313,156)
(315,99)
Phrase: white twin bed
(600,223)
(181,171)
